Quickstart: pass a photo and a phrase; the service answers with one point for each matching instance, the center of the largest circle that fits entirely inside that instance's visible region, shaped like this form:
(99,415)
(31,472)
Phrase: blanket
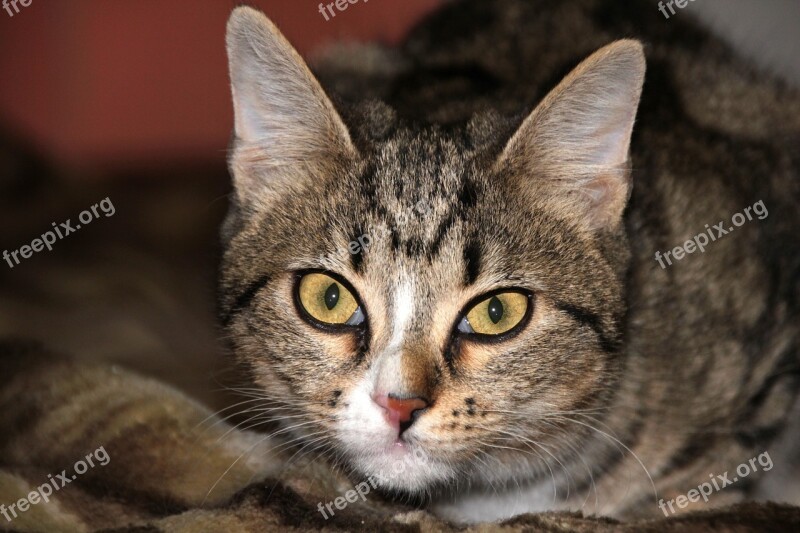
(94,447)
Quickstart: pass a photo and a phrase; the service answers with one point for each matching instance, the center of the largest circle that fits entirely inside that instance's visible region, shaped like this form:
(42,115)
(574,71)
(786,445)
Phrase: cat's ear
(282,116)
(575,144)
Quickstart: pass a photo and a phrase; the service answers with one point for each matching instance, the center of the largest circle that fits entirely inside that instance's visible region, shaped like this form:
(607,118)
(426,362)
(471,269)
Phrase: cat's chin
(401,467)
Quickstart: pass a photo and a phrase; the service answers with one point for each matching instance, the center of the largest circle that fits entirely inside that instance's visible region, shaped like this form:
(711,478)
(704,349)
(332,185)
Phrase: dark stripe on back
(784,380)
(468,196)
(587,318)
(244,299)
(694,449)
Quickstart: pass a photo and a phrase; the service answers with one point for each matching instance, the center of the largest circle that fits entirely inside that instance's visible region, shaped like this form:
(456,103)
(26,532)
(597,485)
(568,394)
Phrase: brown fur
(691,368)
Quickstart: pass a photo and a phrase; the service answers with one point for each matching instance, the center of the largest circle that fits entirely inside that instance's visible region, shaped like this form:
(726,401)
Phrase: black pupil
(332,296)
(495,309)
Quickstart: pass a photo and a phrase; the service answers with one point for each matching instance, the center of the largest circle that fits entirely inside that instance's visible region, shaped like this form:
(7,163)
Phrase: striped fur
(630,379)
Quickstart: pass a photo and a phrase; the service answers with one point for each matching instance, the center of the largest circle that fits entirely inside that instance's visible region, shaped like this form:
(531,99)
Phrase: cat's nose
(401,409)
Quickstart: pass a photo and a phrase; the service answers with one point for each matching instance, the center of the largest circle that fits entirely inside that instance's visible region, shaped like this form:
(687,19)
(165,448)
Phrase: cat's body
(623,369)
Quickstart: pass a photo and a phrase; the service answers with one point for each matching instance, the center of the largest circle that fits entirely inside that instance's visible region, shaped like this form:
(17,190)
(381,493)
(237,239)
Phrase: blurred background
(129,100)
(97,84)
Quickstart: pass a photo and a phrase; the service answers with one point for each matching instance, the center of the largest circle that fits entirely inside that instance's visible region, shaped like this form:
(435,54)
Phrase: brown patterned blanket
(87,447)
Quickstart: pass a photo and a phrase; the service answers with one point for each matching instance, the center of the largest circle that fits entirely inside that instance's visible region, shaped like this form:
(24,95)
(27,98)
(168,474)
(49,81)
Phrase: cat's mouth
(401,464)
(403,467)
(374,448)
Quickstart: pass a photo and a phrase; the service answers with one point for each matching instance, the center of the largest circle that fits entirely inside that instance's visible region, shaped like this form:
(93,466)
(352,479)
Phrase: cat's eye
(496,314)
(328,301)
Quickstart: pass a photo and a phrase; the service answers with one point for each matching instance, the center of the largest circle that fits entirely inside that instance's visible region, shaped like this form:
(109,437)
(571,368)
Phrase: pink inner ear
(578,137)
(613,139)
(606,196)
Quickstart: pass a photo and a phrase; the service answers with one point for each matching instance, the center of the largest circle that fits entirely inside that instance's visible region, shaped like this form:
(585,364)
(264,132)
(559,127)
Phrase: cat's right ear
(573,148)
(285,126)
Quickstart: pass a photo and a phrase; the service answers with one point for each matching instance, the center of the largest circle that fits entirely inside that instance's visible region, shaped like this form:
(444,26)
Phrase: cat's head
(440,297)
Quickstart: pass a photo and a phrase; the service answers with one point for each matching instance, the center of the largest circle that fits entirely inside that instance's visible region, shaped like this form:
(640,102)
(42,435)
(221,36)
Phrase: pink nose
(399,409)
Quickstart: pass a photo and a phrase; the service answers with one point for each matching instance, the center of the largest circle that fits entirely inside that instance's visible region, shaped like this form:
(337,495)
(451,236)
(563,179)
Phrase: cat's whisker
(219,412)
(529,442)
(323,439)
(593,485)
(263,417)
(516,450)
(250,449)
(263,420)
(528,414)
(636,457)
(475,455)
(230,416)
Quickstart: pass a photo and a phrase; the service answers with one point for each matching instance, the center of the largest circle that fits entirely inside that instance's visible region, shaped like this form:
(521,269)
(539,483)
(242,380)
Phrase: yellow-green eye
(328,301)
(495,315)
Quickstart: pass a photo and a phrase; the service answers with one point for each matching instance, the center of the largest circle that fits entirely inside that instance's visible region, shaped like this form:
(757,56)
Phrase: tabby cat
(515,342)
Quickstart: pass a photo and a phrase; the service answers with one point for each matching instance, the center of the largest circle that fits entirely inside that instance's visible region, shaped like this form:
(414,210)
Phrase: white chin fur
(370,445)
(414,472)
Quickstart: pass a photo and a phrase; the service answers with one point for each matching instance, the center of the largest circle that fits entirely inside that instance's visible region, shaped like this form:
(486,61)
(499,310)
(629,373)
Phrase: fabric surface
(172,465)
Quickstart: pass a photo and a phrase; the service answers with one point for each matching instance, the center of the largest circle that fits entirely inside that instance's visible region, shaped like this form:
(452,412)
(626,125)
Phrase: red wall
(99,83)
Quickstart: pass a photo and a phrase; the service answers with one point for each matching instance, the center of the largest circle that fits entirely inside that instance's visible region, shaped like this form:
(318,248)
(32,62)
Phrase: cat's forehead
(427,164)
(424,158)
(422,183)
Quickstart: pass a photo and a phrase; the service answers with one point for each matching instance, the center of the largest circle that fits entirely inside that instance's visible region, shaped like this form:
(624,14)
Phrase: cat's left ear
(284,122)
(574,146)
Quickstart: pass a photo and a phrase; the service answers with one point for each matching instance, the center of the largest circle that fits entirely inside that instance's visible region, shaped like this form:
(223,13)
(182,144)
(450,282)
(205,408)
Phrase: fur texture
(629,382)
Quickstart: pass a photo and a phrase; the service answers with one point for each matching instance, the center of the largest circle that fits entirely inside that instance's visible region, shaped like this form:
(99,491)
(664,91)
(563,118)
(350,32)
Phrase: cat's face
(409,294)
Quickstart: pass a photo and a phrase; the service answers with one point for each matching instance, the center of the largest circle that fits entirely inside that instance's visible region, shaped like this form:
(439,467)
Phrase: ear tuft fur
(282,116)
(577,139)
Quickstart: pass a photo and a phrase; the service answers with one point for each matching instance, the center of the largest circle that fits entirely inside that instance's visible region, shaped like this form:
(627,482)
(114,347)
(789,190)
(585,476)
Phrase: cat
(521,334)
